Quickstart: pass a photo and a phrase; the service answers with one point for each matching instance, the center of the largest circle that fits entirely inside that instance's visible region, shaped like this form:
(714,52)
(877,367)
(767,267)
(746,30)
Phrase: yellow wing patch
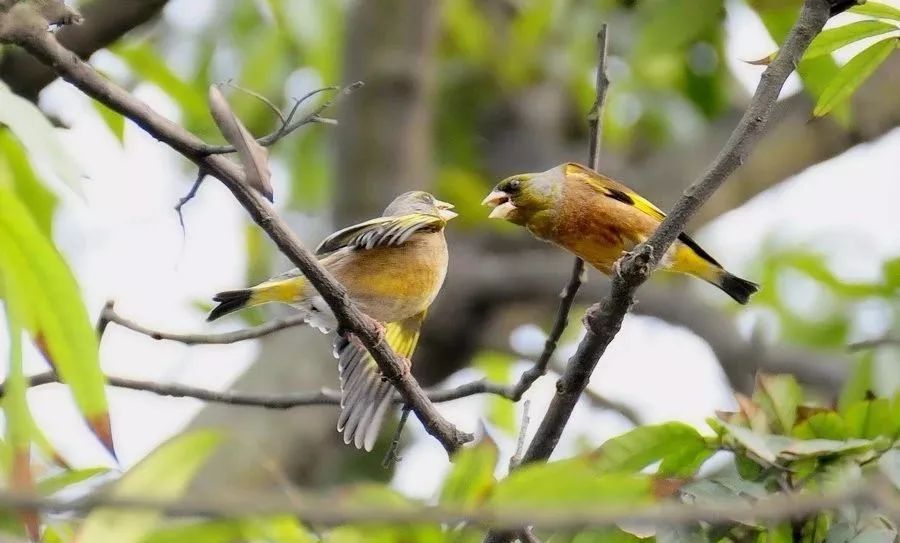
(380,232)
(365,397)
(618,191)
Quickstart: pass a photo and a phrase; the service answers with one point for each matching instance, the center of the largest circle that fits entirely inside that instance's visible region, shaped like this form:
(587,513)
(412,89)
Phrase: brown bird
(392,267)
(598,219)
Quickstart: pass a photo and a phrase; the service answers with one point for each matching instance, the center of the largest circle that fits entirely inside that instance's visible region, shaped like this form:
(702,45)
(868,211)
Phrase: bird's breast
(394,283)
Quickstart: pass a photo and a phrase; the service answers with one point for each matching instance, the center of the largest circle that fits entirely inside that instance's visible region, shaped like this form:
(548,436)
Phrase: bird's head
(419,201)
(519,198)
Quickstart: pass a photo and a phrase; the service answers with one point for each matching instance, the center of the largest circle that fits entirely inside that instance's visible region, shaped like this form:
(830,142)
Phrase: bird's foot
(405,365)
(380,331)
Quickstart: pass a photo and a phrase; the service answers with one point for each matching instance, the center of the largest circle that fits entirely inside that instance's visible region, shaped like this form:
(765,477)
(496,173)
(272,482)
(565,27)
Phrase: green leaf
(52,310)
(779,396)
(38,136)
(765,447)
(573,482)
(280,529)
(161,476)
(822,425)
(808,448)
(815,529)
(113,120)
(853,74)
(859,384)
(877,9)
(680,447)
(497,368)
(834,38)
(610,535)
(869,419)
(61,481)
(673,24)
(146,62)
(472,476)
(17,415)
(16,168)
(383,496)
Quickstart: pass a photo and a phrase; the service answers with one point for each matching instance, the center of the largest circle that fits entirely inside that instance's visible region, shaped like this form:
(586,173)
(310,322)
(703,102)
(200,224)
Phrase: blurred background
(459,94)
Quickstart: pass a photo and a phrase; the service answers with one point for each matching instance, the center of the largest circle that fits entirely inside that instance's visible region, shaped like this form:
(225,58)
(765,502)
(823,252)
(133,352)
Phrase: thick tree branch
(68,65)
(604,320)
(105,22)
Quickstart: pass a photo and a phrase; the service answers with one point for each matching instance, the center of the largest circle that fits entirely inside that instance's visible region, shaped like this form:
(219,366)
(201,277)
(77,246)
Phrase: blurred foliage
(670,79)
(778,443)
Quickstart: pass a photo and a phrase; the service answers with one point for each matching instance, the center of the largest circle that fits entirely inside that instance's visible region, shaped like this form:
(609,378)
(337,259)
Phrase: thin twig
(885,341)
(268,103)
(288,126)
(331,512)
(391,457)
(24,31)
(109,315)
(577,277)
(270,401)
(201,175)
(520,441)
(103,319)
(604,320)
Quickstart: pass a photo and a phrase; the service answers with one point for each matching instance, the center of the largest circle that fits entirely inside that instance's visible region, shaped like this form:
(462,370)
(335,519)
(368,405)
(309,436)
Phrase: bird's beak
(498,200)
(444,210)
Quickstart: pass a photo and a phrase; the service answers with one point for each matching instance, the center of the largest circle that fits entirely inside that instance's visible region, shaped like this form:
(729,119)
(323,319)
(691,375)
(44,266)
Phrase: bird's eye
(512,185)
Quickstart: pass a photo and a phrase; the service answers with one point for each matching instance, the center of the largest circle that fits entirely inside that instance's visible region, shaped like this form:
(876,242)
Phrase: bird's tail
(734,286)
(285,290)
(365,395)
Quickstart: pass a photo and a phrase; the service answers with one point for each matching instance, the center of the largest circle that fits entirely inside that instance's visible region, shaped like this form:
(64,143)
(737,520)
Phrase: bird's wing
(380,232)
(615,190)
(618,191)
(365,396)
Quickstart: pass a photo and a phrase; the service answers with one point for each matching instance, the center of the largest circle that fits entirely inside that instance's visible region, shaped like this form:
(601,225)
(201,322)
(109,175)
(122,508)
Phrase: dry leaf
(253,156)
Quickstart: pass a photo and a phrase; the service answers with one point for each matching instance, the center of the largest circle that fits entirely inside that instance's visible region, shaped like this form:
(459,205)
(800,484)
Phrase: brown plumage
(598,219)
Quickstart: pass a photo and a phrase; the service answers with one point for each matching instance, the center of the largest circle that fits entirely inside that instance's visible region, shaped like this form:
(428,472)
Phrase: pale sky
(123,242)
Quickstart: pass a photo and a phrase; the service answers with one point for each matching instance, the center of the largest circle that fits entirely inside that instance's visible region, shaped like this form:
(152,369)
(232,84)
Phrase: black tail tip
(229,301)
(737,288)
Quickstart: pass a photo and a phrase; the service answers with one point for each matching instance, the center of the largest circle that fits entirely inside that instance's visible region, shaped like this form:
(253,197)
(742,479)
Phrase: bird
(393,267)
(598,219)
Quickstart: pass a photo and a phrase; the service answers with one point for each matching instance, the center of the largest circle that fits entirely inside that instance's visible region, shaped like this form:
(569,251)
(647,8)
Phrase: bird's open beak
(444,210)
(498,200)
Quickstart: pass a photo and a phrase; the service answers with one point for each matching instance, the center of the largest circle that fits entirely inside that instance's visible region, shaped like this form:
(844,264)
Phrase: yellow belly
(394,283)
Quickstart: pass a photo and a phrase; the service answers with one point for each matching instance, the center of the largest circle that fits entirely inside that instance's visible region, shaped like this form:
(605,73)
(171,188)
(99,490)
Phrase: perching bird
(598,219)
(393,268)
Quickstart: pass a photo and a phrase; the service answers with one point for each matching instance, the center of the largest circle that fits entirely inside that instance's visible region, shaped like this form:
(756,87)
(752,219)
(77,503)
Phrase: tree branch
(884,341)
(567,296)
(269,401)
(109,315)
(604,320)
(105,22)
(44,46)
(331,512)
